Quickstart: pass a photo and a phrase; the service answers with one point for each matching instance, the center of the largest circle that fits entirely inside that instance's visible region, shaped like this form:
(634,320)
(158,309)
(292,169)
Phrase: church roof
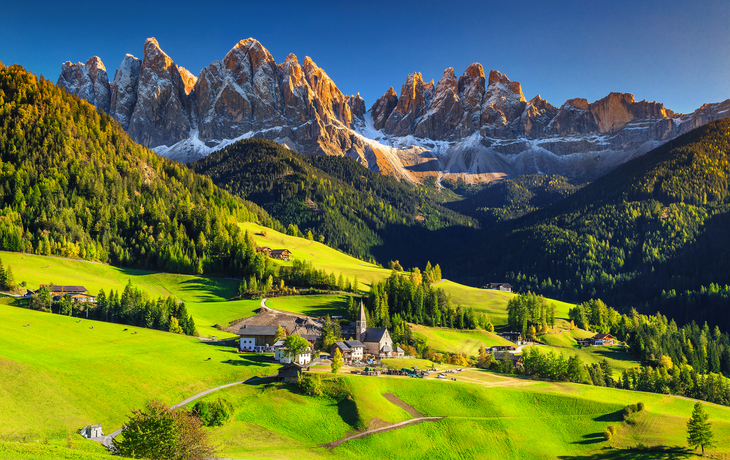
(374,335)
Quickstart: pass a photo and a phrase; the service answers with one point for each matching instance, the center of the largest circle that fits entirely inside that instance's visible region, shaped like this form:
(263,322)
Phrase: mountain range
(478,127)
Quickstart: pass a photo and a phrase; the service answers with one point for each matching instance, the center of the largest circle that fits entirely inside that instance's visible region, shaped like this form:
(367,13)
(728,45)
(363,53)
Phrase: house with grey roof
(351,350)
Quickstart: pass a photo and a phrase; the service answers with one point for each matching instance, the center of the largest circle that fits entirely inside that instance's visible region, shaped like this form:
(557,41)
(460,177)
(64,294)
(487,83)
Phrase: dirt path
(106,441)
(395,426)
(402,404)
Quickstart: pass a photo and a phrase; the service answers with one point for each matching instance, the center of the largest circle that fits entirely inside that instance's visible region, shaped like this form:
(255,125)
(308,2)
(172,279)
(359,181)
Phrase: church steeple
(361,324)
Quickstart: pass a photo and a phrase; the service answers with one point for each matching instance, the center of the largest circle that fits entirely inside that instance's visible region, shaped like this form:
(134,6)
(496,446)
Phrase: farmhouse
(597,340)
(256,338)
(76,293)
(265,249)
(506,287)
(92,431)
(283,254)
(515,337)
(351,350)
(281,354)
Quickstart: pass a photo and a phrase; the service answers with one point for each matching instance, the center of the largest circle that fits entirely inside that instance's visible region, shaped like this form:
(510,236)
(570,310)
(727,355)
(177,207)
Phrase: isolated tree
(280,334)
(295,345)
(162,433)
(699,430)
(9,280)
(337,362)
(42,298)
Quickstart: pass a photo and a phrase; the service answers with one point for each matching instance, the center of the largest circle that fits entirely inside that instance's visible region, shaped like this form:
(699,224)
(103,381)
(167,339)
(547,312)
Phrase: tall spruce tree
(699,430)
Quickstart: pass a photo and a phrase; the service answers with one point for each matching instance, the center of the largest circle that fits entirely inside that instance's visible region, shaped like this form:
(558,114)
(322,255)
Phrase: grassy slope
(565,343)
(58,374)
(453,340)
(501,417)
(205,298)
(311,305)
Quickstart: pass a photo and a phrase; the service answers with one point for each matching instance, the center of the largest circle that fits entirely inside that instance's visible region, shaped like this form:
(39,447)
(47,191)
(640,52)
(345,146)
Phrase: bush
(612,429)
(213,413)
(607,435)
(640,407)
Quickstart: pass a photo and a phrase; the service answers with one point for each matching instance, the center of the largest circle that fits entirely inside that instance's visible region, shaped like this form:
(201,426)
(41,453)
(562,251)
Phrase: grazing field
(205,298)
(499,417)
(311,305)
(566,338)
(59,374)
(458,341)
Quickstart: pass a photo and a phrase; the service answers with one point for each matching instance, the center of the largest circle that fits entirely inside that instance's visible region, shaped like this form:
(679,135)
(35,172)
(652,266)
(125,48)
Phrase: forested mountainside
(73,184)
(358,211)
(652,234)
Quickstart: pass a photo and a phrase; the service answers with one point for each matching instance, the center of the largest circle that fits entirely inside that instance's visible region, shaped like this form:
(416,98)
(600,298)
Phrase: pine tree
(699,430)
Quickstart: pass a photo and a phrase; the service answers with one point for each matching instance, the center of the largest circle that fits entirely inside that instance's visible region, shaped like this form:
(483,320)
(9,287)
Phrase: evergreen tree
(337,362)
(699,430)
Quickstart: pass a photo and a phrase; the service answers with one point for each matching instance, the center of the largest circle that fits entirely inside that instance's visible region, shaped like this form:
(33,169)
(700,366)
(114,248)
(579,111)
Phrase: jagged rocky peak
(383,107)
(161,115)
(188,79)
(415,96)
(503,103)
(88,81)
(124,91)
(536,117)
(445,110)
(357,105)
(330,100)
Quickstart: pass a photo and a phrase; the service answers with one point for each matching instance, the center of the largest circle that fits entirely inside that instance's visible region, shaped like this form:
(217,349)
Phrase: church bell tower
(361,324)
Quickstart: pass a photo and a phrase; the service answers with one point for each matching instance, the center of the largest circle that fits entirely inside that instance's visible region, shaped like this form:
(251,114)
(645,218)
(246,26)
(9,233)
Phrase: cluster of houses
(505,287)
(282,254)
(75,293)
(258,334)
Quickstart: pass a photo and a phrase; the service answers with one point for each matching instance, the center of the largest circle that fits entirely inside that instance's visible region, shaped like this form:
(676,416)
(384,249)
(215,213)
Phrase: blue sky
(673,52)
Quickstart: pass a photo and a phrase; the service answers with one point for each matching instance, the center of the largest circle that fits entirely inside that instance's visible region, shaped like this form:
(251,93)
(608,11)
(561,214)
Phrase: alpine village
(246,262)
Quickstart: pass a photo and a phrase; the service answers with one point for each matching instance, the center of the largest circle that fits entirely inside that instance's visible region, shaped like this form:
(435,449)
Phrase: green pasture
(466,342)
(311,305)
(60,373)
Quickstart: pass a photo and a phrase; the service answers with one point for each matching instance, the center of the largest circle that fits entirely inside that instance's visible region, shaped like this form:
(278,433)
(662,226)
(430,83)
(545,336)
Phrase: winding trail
(395,426)
(106,441)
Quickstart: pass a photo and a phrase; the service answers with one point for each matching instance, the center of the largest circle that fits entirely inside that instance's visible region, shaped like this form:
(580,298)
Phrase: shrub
(607,435)
(612,429)
(213,413)
(640,407)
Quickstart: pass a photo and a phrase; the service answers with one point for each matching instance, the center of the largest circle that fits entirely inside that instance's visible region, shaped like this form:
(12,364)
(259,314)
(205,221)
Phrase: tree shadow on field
(347,409)
(611,417)
(211,288)
(251,361)
(592,438)
(654,453)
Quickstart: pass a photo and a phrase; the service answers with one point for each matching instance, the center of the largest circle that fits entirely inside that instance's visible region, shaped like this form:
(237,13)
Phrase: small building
(515,337)
(501,348)
(92,431)
(377,341)
(289,373)
(351,350)
(281,355)
(597,340)
(505,287)
(265,249)
(82,298)
(59,291)
(399,352)
(283,254)
(257,338)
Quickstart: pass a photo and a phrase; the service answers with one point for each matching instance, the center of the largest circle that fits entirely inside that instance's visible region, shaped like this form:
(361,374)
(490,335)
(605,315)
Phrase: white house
(281,354)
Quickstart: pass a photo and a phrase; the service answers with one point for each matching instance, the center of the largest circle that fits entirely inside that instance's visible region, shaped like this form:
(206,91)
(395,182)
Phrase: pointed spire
(362,312)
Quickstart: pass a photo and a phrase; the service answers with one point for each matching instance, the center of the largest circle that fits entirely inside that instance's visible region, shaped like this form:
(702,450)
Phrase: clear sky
(675,52)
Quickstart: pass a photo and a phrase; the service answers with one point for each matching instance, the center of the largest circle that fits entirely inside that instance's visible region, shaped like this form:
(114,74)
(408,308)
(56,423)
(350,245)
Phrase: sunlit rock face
(477,126)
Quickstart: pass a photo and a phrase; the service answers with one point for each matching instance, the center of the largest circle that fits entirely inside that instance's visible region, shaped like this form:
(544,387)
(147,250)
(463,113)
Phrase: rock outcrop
(124,93)
(88,81)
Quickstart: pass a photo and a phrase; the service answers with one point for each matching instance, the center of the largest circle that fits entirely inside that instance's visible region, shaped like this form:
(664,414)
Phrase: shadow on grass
(347,409)
(592,438)
(611,417)
(213,289)
(248,360)
(654,453)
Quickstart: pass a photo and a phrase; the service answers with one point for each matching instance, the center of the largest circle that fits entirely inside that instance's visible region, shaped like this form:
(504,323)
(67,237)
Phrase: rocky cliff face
(476,127)
(88,81)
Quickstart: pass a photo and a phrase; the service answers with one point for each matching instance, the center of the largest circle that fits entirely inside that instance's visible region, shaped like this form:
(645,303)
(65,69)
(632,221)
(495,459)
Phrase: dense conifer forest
(653,234)
(73,184)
